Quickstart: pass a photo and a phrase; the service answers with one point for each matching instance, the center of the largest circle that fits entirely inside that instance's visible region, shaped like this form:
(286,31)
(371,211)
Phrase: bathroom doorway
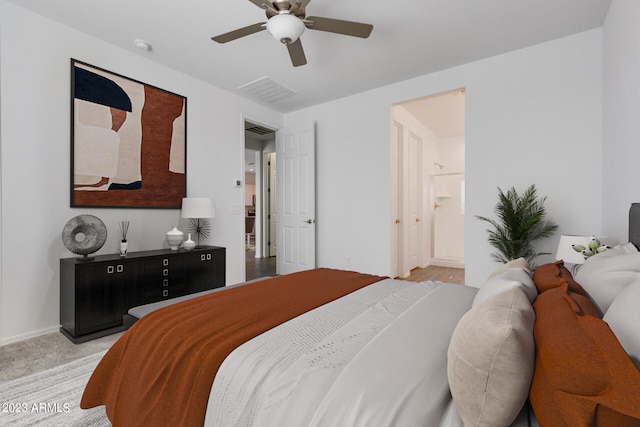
(428,205)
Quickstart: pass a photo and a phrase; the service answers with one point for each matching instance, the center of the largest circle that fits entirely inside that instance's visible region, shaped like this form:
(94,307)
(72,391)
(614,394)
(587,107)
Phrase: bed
(330,348)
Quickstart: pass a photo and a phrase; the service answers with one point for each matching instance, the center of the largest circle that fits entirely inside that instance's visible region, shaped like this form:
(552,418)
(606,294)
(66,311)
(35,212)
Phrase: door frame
(269,245)
(260,203)
(399,181)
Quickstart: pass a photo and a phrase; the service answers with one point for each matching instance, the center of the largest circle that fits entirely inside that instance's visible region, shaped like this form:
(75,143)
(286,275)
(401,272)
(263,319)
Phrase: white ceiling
(409,38)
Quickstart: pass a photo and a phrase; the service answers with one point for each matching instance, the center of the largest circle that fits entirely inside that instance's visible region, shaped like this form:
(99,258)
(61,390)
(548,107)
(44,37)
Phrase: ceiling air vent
(267,90)
(258,129)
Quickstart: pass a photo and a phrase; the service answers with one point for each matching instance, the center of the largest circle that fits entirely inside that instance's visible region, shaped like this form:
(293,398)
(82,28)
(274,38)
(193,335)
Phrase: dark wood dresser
(95,294)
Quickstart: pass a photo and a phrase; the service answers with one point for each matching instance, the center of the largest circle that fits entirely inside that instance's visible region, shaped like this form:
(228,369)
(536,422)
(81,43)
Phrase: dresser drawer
(163,282)
(160,275)
(170,262)
(157,294)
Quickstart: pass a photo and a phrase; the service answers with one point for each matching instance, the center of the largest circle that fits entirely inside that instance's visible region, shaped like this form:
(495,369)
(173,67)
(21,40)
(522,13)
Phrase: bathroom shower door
(448,220)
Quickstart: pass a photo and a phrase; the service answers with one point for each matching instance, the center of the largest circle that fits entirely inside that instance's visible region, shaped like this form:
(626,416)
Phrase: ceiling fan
(287,20)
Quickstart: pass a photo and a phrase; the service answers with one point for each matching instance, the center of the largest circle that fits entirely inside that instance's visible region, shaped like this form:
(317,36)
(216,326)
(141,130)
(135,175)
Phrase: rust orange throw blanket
(160,372)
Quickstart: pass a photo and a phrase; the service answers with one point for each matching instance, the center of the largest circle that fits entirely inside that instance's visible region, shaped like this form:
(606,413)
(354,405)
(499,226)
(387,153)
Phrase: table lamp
(198,210)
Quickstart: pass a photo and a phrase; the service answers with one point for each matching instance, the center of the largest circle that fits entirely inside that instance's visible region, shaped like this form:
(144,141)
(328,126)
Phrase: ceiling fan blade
(267,5)
(240,32)
(348,28)
(296,53)
(260,3)
(298,5)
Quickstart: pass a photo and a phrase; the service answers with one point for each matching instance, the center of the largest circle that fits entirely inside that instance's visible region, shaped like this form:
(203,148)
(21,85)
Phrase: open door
(295,165)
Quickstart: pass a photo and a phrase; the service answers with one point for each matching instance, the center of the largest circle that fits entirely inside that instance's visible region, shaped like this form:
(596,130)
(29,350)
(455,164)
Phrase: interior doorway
(259,203)
(428,182)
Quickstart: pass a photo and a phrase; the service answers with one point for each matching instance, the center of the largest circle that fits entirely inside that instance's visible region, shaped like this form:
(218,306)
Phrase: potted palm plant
(522,219)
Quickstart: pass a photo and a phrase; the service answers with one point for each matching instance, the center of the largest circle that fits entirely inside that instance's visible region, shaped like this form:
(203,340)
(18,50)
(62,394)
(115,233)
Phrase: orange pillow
(582,374)
(553,275)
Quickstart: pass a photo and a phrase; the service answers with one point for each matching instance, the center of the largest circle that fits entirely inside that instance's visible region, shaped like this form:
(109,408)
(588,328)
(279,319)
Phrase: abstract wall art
(128,141)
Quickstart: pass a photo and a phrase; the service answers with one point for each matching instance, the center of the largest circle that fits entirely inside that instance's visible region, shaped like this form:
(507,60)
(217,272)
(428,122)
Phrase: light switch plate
(235,208)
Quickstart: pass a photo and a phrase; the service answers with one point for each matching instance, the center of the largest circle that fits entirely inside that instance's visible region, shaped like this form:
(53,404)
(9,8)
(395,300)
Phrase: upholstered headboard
(634,224)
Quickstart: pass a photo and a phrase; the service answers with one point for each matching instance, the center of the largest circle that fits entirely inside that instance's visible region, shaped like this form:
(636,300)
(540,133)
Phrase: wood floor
(441,274)
(261,267)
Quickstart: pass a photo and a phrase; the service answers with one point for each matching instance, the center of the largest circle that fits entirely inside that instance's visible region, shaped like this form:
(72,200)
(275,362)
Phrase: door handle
(308,221)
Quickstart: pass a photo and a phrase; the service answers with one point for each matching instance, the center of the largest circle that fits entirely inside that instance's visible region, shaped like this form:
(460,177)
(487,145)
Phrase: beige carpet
(46,351)
(51,397)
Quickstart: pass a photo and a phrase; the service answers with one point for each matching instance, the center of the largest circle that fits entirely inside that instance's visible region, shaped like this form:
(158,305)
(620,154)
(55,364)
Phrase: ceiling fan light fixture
(285,28)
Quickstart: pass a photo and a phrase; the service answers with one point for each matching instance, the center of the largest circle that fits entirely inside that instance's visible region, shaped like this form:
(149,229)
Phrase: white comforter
(376,357)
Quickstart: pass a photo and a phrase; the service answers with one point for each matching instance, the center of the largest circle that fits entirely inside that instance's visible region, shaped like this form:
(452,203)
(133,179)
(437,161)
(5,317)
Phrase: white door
(396,137)
(295,165)
(415,200)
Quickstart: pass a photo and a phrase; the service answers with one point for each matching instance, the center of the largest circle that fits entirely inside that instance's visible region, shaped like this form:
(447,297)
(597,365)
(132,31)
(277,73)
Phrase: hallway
(259,267)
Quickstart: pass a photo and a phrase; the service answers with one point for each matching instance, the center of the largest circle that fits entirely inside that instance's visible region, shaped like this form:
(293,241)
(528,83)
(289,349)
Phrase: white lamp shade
(285,28)
(198,207)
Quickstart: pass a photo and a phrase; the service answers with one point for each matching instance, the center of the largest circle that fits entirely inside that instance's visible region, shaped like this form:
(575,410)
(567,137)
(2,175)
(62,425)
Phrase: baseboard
(447,263)
(17,338)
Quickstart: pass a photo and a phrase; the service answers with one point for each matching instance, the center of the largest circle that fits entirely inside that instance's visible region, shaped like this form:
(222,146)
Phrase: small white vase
(124,246)
(175,238)
(189,244)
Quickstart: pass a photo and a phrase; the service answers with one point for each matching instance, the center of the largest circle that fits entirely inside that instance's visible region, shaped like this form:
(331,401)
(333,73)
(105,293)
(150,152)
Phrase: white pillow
(513,277)
(604,277)
(623,318)
(516,263)
(619,249)
(491,358)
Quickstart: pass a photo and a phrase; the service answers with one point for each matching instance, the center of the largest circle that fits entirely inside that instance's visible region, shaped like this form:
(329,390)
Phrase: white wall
(621,125)
(533,116)
(35,68)
(451,154)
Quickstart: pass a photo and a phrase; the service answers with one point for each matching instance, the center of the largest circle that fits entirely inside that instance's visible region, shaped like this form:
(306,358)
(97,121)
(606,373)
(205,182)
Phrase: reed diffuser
(124,245)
